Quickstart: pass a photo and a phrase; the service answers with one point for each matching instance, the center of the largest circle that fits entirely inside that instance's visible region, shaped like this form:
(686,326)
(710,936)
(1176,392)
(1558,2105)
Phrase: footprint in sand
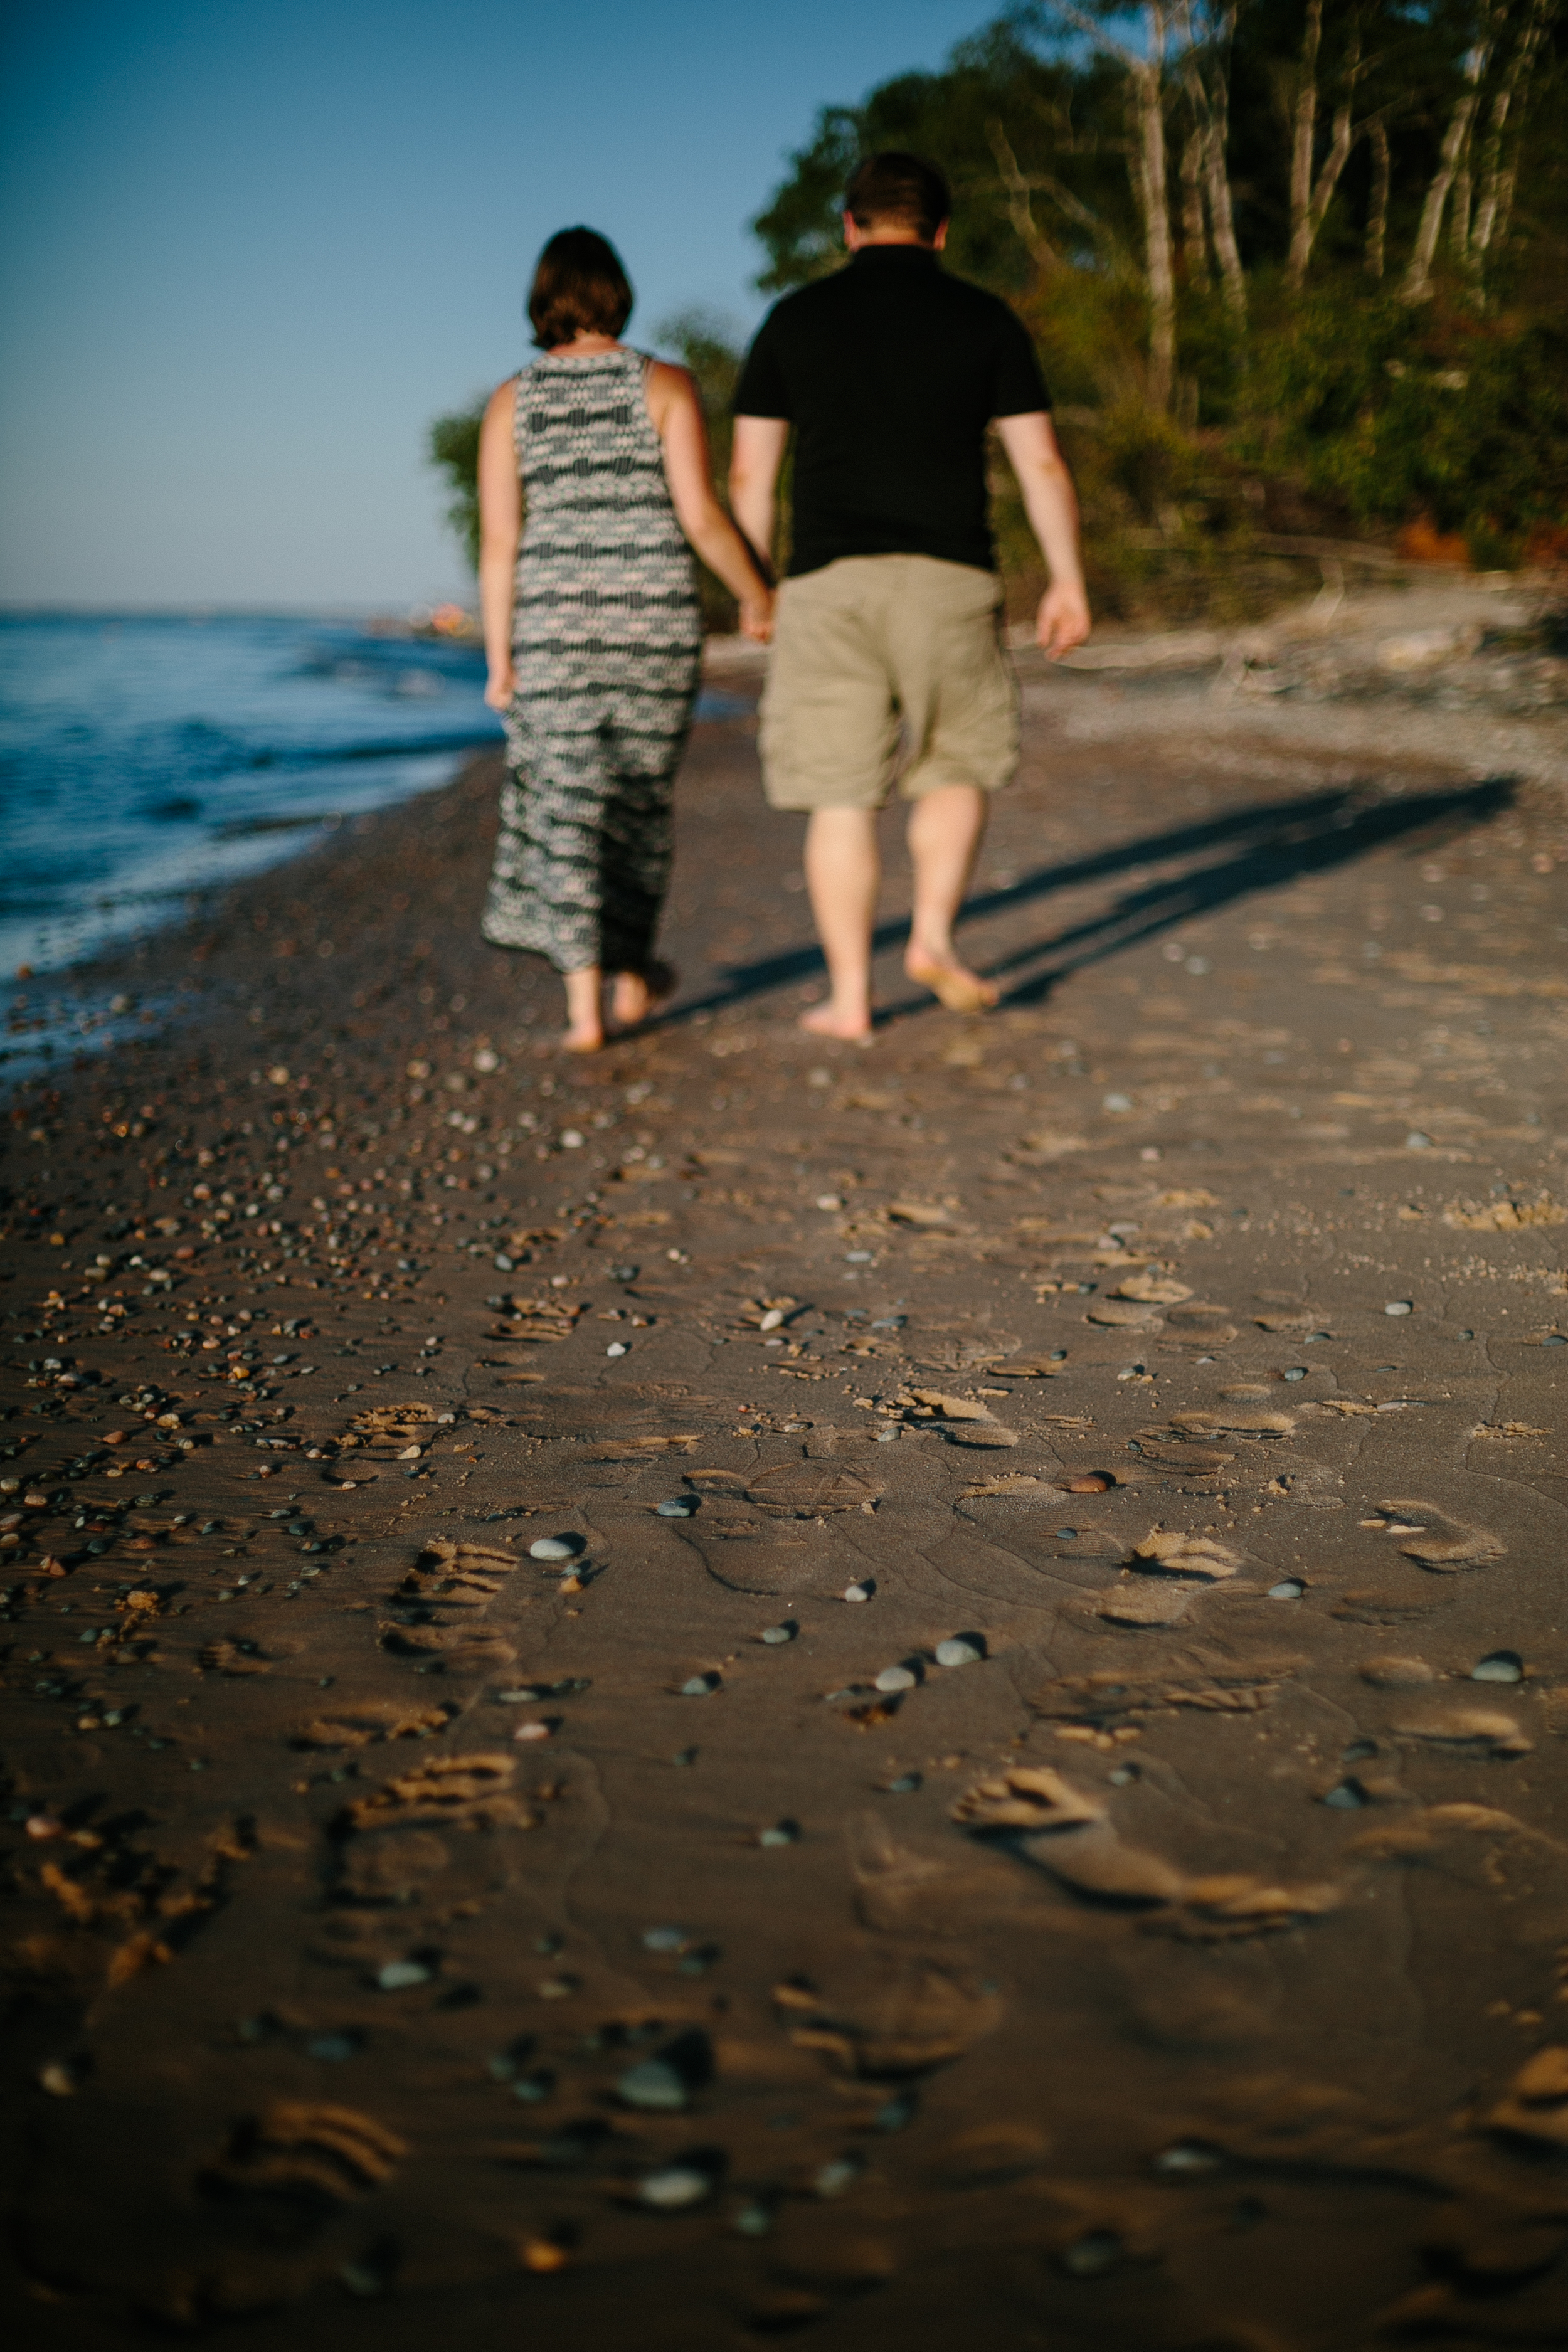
(315,2157)
(361,1725)
(450,1577)
(1423,1533)
(1063,1830)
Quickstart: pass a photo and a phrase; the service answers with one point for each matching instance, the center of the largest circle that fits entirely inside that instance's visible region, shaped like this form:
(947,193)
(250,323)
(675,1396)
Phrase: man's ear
(940,239)
(852,237)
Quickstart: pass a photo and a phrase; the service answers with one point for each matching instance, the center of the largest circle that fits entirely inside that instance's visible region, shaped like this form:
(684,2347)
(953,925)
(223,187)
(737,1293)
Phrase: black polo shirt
(889,372)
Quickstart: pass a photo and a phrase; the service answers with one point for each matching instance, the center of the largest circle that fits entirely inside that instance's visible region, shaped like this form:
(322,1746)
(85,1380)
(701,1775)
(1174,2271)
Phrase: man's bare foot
(637,996)
(827,1021)
(583,1041)
(961,990)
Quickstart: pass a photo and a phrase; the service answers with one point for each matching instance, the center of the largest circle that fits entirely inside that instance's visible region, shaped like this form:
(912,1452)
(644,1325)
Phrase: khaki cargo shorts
(876,649)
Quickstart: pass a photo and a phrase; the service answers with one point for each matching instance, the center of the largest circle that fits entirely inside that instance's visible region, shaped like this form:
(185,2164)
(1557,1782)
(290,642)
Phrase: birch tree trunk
(1195,238)
(1154,193)
(1305,131)
(1417,286)
(1498,179)
(1377,216)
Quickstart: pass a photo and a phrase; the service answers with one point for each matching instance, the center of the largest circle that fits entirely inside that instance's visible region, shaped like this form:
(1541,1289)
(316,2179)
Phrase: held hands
(757,617)
(1063,620)
(501,688)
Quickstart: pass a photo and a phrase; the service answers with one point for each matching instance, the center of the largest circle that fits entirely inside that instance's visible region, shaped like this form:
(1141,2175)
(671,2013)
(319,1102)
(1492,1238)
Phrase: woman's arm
(1051,505)
(500,528)
(677,413)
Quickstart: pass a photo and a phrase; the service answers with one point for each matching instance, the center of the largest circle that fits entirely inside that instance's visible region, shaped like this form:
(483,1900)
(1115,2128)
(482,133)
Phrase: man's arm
(755,457)
(1051,505)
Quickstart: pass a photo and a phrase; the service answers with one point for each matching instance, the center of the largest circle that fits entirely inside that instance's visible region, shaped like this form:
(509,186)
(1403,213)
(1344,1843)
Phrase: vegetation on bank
(1294,269)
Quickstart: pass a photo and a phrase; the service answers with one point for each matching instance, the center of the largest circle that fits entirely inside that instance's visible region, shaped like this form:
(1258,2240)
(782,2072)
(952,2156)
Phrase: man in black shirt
(889,372)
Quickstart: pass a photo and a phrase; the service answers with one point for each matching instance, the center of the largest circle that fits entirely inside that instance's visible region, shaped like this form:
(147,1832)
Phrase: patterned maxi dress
(606,643)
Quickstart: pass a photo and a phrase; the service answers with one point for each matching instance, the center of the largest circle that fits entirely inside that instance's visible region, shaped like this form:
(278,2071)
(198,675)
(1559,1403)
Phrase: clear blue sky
(251,247)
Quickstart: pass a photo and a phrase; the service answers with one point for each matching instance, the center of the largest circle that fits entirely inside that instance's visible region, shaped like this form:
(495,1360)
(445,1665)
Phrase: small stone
(896,2114)
(529,1697)
(701,1686)
(617,1348)
(1499,1666)
(905,1785)
(857,1257)
(772,1320)
(1088,1482)
(1294,1372)
(781,1833)
(663,1940)
(59,2079)
(958,1653)
(839,2173)
(655,2084)
(1399,1307)
(1347,1797)
(776,1635)
(674,2186)
(1092,2256)
(1065,1535)
(532,1731)
(1416,1141)
(624,1273)
(858,1592)
(753,2221)
(555,1547)
(677,1506)
(1188,2158)
(333,2049)
(896,1678)
(1117,1102)
(1290,1587)
(398,1976)
(828,1201)
(572,1139)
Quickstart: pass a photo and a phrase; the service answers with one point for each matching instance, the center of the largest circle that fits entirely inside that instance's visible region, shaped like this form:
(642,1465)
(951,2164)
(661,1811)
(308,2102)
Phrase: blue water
(147,759)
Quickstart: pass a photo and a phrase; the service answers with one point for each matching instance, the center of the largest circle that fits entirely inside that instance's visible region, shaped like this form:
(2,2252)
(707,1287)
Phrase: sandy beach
(915,1696)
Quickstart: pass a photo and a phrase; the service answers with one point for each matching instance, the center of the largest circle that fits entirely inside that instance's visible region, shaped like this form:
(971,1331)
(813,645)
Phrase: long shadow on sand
(1234,856)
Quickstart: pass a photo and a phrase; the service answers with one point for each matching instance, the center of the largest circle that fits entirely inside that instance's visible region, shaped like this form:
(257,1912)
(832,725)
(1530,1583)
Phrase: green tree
(452,446)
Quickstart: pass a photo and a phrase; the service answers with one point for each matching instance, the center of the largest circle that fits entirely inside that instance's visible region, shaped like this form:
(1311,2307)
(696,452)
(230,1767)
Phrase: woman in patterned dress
(593,633)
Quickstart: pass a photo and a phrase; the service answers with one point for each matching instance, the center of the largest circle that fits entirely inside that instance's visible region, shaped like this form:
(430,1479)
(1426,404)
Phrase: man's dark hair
(895,190)
(579,287)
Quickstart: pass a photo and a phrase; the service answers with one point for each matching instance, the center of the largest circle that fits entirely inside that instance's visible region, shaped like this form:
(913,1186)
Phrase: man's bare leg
(946,828)
(842,873)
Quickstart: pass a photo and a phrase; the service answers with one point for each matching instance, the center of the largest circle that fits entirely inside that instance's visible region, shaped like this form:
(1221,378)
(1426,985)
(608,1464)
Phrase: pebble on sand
(674,2186)
(617,1348)
(781,1833)
(532,1731)
(776,1635)
(896,1678)
(1399,1307)
(1499,1666)
(663,1940)
(959,1653)
(677,1506)
(399,1975)
(858,1592)
(1290,1587)
(700,1685)
(654,2084)
(555,1547)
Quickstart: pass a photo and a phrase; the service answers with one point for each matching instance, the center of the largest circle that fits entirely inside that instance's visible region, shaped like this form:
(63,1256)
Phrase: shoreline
(556,1940)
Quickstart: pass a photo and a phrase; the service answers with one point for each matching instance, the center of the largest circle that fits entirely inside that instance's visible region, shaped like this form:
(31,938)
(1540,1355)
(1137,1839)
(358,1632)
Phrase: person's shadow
(1226,858)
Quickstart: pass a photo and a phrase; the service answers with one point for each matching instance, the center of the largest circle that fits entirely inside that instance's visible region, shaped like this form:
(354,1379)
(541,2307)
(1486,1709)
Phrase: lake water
(146,759)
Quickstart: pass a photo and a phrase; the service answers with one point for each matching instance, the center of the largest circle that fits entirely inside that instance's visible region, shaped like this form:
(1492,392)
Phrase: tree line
(1295,267)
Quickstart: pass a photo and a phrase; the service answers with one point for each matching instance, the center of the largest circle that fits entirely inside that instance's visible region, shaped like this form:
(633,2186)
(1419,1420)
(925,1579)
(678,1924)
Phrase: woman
(593,635)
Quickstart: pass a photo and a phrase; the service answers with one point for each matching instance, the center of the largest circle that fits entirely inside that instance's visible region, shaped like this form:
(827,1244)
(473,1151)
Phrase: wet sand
(661,1943)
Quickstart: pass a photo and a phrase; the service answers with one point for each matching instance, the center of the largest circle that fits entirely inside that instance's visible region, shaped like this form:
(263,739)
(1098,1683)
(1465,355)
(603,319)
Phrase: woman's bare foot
(639,996)
(961,990)
(831,1020)
(584,1010)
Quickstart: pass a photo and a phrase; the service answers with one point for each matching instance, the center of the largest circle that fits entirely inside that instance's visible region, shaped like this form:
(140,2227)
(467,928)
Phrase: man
(889,372)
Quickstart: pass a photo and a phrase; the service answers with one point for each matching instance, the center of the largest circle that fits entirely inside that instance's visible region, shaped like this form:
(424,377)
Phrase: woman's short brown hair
(579,287)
